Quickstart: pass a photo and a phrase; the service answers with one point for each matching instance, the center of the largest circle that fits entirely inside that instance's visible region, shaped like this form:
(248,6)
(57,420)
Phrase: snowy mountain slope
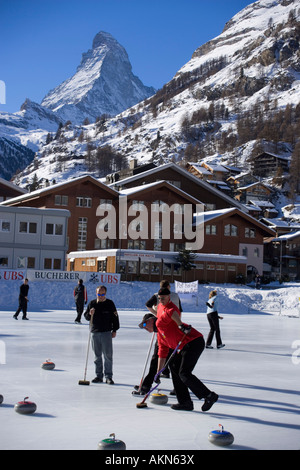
(21,135)
(252,66)
(103,84)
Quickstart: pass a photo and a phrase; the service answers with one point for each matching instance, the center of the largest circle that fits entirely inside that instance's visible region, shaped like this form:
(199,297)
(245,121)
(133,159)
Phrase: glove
(186,329)
(210,306)
(157,379)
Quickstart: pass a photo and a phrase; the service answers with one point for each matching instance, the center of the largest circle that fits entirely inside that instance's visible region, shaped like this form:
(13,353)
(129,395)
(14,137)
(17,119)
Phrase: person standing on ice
(23,300)
(213,320)
(104,323)
(80,295)
(170,332)
(151,305)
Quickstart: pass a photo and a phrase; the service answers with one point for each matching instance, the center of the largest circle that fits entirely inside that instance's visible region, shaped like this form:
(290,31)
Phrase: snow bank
(240,300)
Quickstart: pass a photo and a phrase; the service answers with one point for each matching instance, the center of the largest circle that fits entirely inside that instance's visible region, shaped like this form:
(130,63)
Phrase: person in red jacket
(170,331)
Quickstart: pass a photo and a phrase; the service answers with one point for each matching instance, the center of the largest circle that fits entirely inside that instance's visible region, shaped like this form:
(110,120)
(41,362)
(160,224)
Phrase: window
(50,263)
(211,230)
(157,245)
(47,263)
(256,252)
(57,263)
(245,251)
(292,263)
(220,267)
(91,262)
(27,227)
(155,268)
(145,267)
(83,201)
(122,267)
(177,270)
(60,200)
(132,267)
(3,262)
(30,262)
(167,269)
(250,232)
(230,230)
(103,244)
(106,204)
(82,233)
(138,205)
(4,226)
(101,266)
(176,246)
(54,229)
(136,244)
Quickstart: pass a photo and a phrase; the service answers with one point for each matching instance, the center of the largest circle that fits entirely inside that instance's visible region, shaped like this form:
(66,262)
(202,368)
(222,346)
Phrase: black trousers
(22,307)
(213,321)
(181,369)
(79,308)
(148,380)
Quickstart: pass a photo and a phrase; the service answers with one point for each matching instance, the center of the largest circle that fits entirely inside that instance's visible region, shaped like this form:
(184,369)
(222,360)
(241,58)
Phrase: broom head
(141,405)
(83,382)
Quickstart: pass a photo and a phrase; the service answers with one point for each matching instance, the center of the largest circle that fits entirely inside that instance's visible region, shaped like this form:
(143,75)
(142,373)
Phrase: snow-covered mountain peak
(103,84)
(104,39)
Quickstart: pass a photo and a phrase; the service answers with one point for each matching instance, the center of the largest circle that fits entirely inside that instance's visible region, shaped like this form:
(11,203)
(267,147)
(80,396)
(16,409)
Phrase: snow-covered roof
(41,191)
(262,204)
(185,173)
(11,185)
(288,236)
(142,187)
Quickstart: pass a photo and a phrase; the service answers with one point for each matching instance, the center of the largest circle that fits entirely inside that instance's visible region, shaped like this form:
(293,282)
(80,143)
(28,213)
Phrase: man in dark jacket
(80,295)
(23,300)
(104,323)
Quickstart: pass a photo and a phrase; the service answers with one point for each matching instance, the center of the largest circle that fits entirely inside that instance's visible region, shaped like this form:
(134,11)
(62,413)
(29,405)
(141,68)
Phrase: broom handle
(88,348)
(166,364)
(87,356)
(146,363)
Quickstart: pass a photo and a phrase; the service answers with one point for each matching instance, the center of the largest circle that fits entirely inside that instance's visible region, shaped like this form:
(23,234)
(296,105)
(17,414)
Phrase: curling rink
(257,378)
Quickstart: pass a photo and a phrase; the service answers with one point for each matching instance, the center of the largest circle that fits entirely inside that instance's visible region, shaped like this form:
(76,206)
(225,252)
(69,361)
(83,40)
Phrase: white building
(33,238)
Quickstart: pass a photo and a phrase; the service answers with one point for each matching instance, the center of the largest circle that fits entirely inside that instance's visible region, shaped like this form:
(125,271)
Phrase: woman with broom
(170,333)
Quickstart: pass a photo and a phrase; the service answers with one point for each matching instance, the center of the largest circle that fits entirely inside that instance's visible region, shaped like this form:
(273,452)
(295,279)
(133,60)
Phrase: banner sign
(99,278)
(12,274)
(186,287)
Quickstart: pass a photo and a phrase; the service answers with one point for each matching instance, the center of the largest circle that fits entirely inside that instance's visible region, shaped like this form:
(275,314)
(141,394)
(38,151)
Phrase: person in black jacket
(23,300)
(104,323)
(80,295)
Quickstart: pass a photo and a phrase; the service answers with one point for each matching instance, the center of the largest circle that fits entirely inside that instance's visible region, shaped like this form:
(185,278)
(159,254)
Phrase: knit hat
(146,317)
(164,291)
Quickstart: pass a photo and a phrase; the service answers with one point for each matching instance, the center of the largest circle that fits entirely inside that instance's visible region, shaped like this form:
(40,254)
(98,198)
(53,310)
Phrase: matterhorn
(103,84)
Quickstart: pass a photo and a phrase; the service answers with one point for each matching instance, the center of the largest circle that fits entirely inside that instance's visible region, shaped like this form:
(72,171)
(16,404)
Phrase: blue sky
(42,41)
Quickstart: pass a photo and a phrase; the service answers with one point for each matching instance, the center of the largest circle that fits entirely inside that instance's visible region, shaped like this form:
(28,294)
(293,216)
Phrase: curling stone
(25,407)
(1,399)
(158,398)
(48,365)
(219,437)
(111,443)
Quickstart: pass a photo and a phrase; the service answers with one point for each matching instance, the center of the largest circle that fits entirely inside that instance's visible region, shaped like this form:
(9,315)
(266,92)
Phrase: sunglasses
(101,295)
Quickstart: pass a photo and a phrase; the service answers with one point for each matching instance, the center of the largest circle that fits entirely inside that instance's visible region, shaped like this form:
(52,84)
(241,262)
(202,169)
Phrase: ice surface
(256,376)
